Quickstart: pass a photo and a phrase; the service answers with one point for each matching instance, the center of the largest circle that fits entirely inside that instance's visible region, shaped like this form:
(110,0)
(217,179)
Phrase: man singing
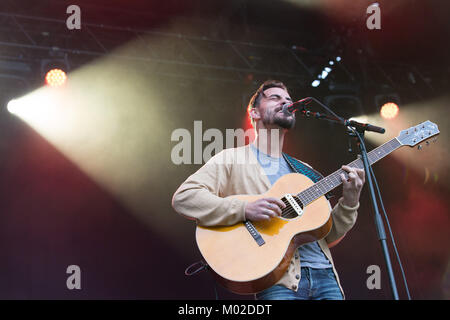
(253,169)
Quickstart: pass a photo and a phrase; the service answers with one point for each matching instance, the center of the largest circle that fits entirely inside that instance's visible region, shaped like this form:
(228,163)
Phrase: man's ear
(254,113)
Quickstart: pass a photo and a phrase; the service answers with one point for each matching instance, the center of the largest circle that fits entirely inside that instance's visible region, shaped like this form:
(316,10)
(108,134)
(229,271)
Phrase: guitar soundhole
(290,212)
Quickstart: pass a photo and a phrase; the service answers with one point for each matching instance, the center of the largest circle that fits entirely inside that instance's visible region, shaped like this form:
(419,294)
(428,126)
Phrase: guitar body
(243,266)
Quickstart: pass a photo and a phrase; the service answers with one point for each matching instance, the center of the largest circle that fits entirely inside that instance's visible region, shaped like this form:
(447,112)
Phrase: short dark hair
(256,98)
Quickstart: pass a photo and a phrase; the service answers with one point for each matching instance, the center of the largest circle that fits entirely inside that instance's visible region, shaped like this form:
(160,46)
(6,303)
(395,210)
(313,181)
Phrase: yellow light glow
(113,130)
(389,110)
(433,156)
(55,78)
(12,106)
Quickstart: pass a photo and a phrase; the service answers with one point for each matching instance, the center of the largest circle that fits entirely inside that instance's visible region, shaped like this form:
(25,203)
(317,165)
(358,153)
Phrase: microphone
(300,105)
(365,126)
(297,105)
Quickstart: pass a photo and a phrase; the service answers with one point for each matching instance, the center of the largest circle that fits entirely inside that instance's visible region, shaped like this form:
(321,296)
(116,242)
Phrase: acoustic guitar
(249,257)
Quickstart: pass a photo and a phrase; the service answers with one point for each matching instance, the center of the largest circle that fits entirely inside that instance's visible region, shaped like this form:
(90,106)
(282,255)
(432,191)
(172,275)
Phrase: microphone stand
(357,129)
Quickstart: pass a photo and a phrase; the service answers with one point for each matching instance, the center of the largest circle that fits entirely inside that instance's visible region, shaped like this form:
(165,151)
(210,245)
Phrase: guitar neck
(333,181)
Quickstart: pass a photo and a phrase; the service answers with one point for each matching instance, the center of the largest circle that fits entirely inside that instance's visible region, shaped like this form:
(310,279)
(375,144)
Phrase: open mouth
(279,109)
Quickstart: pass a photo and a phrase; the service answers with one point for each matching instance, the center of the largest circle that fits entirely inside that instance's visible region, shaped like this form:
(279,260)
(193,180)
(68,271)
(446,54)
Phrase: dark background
(53,215)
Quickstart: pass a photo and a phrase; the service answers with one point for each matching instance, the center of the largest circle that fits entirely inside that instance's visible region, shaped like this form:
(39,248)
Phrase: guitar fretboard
(334,180)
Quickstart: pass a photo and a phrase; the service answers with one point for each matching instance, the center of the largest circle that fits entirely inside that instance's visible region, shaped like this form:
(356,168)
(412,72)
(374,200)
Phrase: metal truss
(28,38)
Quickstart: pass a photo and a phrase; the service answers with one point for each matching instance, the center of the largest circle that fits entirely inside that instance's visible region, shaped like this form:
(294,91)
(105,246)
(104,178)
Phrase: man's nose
(284,101)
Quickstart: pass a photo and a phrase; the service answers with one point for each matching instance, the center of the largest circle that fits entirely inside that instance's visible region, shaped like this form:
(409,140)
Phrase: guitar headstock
(417,134)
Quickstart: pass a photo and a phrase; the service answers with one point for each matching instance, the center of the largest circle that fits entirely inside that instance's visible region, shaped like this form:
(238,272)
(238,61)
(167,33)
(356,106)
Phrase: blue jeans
(315,284)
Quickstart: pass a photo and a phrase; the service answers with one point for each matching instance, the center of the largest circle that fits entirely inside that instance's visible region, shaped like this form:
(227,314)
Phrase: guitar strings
(373,156)
(289,212)
(309,196)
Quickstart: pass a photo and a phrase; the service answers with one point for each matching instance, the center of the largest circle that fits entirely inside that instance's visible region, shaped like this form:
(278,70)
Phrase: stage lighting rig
(55,78)
(389,110)
(54,70)
(388,105)
(325,72)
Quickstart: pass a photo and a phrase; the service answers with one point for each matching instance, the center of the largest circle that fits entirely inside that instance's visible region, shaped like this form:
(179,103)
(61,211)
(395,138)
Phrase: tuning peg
(427,143)
(419,147)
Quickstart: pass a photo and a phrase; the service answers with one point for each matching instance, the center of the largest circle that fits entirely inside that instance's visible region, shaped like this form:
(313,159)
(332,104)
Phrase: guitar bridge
(254,233)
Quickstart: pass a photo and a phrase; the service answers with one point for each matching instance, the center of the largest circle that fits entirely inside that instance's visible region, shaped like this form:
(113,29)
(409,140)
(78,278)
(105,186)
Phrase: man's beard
(285,121)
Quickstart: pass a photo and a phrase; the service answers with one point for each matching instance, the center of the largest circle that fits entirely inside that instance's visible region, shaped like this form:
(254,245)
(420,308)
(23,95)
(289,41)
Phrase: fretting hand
(352,185)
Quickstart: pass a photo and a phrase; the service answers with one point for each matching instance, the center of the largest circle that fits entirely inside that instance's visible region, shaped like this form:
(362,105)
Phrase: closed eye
(274,97)
(277,97)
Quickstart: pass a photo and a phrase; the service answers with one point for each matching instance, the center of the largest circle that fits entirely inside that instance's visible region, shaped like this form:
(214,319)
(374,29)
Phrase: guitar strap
(299,167)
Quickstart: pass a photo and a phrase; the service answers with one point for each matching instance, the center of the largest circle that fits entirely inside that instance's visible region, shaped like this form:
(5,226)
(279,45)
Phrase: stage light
(389,110)
(54,69)
(55,78)
(325,72)
(338,59)
(12,106)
